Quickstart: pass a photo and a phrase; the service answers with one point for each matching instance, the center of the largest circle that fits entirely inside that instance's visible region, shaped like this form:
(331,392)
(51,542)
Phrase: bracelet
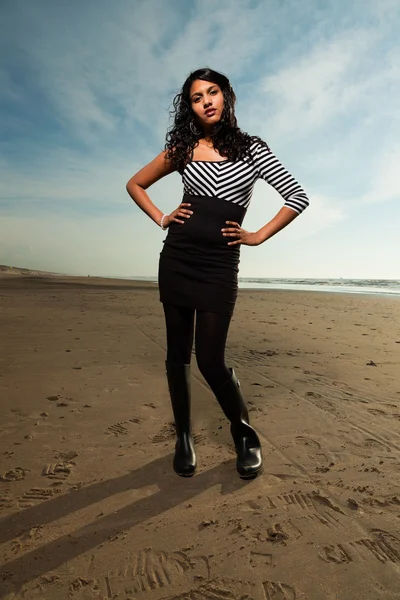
(162,223)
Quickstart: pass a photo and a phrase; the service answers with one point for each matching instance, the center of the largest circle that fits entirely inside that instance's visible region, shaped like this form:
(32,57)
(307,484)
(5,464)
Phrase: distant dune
(21,271)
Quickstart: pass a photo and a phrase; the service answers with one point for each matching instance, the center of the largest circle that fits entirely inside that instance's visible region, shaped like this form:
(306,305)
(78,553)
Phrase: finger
(230,232)
(233,223)
(235,243)
(178,221)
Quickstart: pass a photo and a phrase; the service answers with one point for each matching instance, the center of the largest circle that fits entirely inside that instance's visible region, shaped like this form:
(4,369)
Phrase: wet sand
(90,508)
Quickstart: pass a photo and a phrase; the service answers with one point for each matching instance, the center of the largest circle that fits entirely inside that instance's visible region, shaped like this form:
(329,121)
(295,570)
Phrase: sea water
(385,287)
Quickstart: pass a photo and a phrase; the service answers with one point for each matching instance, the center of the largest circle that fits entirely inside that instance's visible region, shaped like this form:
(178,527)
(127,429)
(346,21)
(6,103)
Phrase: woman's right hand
(182,211)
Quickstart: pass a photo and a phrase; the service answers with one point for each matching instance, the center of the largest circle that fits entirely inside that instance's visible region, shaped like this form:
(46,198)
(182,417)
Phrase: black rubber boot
(247,443)
(178,376)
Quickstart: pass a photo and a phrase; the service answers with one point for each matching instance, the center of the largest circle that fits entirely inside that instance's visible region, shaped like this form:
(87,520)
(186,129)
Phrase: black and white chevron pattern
(234,180)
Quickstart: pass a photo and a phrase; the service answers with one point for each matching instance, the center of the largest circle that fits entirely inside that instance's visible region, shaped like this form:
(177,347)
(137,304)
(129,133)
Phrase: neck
(207,133)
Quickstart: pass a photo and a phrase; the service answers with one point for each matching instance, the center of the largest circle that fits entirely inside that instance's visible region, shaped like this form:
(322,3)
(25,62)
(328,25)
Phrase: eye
(214,92)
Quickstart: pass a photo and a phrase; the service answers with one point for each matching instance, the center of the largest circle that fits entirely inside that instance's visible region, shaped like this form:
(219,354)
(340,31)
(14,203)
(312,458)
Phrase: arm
(296,201)
(273,172)
(283,218)
(137,185)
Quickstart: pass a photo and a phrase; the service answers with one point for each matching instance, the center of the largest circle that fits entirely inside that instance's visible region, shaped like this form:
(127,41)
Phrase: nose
(207,102)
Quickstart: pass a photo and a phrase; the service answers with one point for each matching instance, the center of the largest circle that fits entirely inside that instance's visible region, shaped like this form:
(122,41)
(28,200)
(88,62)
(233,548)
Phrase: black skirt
(197,268)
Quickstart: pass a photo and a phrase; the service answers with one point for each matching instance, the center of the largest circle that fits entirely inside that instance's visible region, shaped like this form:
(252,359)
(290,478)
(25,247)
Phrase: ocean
(380,287)
(387,287)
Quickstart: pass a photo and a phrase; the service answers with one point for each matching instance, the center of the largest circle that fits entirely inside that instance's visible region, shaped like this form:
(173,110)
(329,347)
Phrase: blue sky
(85,89)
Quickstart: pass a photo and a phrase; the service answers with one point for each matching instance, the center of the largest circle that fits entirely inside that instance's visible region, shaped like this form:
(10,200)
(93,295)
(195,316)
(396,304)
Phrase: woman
(198,266)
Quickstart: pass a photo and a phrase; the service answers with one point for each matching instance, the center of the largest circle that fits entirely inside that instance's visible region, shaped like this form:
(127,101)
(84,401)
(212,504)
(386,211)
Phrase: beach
(90,507)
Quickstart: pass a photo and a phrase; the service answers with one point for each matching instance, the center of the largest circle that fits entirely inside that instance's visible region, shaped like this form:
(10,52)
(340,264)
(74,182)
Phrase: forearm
(141,198)
(279,222)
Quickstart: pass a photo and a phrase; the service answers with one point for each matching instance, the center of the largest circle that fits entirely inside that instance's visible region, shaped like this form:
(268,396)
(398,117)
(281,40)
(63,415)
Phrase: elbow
(298,203)
(130,187)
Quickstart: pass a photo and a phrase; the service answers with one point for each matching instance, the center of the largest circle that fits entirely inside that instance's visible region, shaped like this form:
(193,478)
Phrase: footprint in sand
(220,589)
(314,451)
(308,442)
(58,471)
(168,433)
(382,546)
(314,508)
(277,590)
(321,402)
(150,571)
(281,534)
(122,428)
(34,496)
(375,445)
(335,554)
(118,429)
(65,455)
(16,474)
(383,502)
(6,501)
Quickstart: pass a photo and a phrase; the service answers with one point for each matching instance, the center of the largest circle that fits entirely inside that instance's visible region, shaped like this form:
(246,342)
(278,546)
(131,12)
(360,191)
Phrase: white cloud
(322,214)
(64,178)
(110,69)
(320,84)
(385,180)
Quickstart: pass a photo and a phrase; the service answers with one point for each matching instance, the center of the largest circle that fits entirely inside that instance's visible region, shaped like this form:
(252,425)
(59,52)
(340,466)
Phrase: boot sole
(185,474)
(252,475)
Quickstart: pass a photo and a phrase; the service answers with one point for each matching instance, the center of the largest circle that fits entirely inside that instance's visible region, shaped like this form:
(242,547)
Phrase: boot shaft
(178,377)
(231,400)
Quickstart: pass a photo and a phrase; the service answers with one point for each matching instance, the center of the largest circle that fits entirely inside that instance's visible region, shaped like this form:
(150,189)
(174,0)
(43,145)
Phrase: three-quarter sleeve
(273,172)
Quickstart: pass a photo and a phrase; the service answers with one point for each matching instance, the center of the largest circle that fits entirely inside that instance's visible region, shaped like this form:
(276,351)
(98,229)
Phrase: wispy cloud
(319,85)
(384,181)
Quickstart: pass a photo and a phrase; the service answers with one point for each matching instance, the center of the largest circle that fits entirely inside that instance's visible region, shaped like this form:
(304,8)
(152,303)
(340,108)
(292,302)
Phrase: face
(207,102)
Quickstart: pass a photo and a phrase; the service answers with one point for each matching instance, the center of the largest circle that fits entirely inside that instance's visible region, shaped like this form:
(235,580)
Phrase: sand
(90,508)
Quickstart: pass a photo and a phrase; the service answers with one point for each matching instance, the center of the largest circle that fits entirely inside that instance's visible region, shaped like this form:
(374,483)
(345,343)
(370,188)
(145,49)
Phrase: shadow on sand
(173,491)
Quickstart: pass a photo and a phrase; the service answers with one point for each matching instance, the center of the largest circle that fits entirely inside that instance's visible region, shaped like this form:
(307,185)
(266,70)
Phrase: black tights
(210,339)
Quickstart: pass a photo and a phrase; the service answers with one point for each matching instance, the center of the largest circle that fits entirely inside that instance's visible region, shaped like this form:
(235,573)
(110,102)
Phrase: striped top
(234,181)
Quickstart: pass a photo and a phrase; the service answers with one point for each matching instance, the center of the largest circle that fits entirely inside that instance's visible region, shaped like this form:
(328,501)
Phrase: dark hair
(228,139)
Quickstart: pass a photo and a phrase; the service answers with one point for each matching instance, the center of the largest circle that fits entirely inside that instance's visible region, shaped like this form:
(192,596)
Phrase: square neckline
(210,161)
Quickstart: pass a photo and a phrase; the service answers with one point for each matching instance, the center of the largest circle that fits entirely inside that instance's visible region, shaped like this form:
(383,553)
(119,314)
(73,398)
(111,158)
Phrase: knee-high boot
(247,442)
(178,376)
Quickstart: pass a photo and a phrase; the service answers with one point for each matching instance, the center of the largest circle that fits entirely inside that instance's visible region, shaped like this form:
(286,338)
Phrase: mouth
(210,112)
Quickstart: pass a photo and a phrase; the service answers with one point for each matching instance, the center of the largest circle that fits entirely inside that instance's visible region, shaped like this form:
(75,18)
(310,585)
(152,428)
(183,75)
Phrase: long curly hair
(182,136)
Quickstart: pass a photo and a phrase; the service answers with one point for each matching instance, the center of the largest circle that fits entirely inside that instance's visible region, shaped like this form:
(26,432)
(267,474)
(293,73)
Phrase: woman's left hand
(241,235)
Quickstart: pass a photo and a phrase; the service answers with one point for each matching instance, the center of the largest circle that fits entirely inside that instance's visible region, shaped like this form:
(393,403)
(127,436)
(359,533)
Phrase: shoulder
(159,167)
(259,151)
(258,146)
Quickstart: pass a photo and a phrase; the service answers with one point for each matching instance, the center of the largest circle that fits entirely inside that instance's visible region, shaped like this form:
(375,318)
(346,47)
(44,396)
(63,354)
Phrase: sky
(85,93)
